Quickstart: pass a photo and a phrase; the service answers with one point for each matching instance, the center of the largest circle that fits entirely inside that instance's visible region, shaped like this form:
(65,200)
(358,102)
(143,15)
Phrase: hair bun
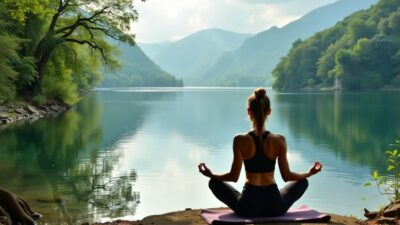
(260,93)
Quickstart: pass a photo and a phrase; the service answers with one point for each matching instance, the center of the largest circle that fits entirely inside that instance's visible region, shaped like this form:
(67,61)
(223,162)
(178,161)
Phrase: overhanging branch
(92,45)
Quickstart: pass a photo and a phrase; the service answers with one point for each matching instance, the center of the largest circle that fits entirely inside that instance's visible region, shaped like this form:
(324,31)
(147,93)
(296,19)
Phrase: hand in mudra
(315,169)
(204,170)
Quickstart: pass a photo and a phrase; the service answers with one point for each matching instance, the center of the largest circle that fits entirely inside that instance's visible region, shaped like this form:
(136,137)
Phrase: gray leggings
(259,200)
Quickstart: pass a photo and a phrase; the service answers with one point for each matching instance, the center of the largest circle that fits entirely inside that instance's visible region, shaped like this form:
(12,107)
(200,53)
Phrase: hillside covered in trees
(138,71)
(253,62)
(360,52)
(53,50)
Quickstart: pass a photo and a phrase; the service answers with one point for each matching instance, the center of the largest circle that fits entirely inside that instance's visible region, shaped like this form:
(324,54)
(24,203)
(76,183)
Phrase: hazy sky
(161,20)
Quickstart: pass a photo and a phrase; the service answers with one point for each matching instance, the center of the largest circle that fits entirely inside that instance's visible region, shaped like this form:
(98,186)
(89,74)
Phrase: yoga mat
(226,216)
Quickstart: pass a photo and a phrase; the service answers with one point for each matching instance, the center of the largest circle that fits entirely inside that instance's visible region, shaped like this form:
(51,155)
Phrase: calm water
(133,152)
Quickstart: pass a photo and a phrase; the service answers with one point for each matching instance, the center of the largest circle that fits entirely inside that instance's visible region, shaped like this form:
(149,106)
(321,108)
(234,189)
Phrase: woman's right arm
(286,173)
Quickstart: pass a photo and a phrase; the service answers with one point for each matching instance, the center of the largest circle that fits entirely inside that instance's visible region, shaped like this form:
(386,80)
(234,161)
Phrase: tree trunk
(41,67)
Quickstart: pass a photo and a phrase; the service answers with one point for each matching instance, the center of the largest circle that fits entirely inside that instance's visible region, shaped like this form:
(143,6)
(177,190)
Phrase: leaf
(390,167)
(389,152)
(395,152)
(376,175)
(367,184)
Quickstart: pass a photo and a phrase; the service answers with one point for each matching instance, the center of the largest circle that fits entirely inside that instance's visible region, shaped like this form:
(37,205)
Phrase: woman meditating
(259,150)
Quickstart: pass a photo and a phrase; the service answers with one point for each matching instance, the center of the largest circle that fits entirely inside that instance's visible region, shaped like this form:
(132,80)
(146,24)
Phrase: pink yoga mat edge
(300,214)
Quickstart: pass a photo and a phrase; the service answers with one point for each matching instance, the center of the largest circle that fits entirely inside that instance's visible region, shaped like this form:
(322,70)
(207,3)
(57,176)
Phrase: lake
(132,152)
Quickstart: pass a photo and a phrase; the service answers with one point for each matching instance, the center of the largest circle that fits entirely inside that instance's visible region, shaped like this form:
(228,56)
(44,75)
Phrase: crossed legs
(231,197)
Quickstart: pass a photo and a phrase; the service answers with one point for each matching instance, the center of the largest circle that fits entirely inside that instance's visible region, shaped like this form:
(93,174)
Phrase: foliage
(52,49)
(8,47)
(361,51)
(39,100)
(59,83)
(55,49)
(389,185)
(21,8)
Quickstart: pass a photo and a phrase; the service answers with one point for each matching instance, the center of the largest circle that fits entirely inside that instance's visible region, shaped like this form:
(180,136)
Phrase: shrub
(389,185)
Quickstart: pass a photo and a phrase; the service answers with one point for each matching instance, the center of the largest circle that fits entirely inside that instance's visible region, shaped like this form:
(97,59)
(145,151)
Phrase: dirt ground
(192,217)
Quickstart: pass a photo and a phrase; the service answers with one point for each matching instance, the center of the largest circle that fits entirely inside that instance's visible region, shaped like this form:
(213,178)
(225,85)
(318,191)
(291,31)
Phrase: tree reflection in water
(63,168)
(356,126)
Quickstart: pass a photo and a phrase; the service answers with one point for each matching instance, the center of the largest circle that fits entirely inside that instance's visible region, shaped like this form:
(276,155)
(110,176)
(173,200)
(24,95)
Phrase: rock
(25,111)
(19,111)
(31,109)
(388,215)
(4,220)
(55,108)
(44,108)
(3,116)
(370,215)
(392,210)
(386,220)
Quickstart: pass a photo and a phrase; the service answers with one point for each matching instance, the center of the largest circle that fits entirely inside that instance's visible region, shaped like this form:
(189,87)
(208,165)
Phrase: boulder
(31,109)
(388,215)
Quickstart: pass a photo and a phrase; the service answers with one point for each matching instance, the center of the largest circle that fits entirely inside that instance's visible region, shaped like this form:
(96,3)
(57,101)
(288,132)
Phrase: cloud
(161,20)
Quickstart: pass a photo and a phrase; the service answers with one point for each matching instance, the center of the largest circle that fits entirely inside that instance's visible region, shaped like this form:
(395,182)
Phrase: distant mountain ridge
(189,57)
(138,71)
(152,50)
(252,63)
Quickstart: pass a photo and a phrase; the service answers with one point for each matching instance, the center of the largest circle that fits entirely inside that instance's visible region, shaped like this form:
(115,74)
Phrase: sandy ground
(192,217)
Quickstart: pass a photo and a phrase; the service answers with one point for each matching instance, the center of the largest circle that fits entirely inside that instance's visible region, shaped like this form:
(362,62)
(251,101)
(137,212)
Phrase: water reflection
(93,162)
(357,127)
(70,172)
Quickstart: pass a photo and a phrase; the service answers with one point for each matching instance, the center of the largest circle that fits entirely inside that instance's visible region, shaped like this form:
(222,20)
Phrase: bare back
(271,146)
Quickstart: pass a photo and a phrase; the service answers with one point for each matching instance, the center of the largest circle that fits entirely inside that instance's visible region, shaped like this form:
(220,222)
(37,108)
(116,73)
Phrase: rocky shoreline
(192,217)
(24,111)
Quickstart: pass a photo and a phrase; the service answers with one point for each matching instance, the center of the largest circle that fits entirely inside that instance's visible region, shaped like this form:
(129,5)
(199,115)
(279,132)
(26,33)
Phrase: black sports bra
(259,163)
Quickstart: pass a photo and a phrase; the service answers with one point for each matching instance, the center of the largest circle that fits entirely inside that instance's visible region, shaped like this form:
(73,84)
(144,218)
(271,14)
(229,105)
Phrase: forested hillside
(51,50)
(252,63)
(138,71)
(360,52)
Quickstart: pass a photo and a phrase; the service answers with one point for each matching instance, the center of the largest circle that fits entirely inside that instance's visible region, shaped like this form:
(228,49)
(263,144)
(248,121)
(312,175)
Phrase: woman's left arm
(234,173)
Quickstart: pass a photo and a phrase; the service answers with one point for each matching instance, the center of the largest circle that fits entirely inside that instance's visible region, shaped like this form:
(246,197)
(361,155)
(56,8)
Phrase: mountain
(252,63)
(189,57)
(138,70)
(152,50)
(360,52)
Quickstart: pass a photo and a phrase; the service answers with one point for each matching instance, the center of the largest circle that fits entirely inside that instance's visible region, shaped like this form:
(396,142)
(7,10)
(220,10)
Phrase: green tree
(8,47)
(84,22)
(362,51)
(73,23)
(13,67)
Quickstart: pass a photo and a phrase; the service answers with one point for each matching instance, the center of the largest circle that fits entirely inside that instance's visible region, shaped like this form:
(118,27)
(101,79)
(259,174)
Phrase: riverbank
(24,111)
(192,217)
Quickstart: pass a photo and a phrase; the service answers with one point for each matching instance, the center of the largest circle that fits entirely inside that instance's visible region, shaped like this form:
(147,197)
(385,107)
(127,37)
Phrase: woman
(258,150)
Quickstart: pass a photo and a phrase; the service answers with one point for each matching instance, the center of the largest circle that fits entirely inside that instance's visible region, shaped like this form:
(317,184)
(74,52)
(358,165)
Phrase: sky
(162,20)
